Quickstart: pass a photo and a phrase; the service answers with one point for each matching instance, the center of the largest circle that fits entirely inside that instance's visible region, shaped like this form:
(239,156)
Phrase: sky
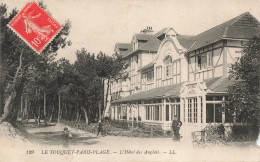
(98,24)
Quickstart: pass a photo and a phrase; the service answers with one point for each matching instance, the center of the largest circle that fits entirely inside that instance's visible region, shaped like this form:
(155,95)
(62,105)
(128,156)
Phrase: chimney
(148,29)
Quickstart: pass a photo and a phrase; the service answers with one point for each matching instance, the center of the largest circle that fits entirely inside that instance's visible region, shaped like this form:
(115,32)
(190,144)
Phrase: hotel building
(173,74)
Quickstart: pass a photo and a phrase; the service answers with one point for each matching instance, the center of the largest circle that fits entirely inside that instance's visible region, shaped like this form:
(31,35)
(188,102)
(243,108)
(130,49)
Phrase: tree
(85,67)
(243,95)
(17,62)
(109,69)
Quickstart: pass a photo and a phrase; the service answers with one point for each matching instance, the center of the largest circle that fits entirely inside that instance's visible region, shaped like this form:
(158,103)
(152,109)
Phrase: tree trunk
(77,107)
(44,108)
(66,110)
(52,111)
(14,105)
(1,79)
(59,111)
(85,113)
(22,109)
(25,111)
(38,107)
(259,87)
(100,111)
(39,114)
(108,84)
(77,115)
(10,107)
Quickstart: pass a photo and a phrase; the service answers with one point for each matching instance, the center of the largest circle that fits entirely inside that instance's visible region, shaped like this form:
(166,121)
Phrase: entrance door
(175,111)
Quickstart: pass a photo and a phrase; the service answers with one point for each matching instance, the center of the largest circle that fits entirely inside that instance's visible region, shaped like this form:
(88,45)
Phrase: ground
(31,143)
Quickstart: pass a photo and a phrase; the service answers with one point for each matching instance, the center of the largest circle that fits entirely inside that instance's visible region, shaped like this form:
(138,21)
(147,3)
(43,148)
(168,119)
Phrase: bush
(244,132)
(120,124)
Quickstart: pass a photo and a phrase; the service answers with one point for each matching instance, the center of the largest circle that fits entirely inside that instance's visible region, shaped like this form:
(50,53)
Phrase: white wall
(147,58)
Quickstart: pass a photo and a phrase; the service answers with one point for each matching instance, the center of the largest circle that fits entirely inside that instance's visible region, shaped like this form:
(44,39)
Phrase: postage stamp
(33,25)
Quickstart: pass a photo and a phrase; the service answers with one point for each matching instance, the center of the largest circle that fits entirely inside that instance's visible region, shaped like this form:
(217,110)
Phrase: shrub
(244,132)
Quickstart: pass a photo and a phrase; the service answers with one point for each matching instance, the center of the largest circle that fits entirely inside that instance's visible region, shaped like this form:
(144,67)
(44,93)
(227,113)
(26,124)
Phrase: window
(202,62)
(205,60)
(168,70)
(195,110)
(144,78)
(183,100)
(154,112)
(189,110)
(201,106)
(167,113)
(168,66)
(209,113)
(150,76)
(174,68)
(147,112)
(210,58)
(173,111)
(213,113)
(218,113)
(135,45)
(124,112)
(178,67)
(192,64)
(119,112)
(158,72)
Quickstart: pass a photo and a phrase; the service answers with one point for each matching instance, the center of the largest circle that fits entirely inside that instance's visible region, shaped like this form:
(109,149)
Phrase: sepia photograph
(129,80)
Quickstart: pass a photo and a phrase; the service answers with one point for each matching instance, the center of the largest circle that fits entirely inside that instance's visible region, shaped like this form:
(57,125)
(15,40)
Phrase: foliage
(243,96)
(21,68)
(51,88)
(243,132)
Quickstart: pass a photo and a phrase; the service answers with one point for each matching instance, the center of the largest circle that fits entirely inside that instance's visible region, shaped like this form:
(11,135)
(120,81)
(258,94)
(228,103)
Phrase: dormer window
(170,33)
(135,45)
(122,49)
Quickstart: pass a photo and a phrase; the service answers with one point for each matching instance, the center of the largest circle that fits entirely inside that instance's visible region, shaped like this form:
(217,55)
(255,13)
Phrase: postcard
(121,80)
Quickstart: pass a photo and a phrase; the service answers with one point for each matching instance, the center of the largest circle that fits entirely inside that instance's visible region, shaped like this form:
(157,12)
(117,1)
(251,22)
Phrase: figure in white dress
(42,32)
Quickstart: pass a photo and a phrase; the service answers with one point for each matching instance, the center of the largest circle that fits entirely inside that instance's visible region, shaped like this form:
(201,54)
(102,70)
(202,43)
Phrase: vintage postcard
(129,80)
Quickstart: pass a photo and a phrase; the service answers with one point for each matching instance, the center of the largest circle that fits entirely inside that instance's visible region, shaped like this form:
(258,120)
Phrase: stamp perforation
(56,32)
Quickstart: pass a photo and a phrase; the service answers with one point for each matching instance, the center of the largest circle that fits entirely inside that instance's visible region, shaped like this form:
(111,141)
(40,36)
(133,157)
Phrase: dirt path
(152,149)
(53,134)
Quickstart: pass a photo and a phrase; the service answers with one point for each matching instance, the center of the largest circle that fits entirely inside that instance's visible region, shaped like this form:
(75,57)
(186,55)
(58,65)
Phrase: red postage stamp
(35,26)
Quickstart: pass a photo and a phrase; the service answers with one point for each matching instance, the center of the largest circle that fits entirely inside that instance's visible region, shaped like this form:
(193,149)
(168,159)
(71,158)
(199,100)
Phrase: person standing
(100,127)
(176,125)
(66,136)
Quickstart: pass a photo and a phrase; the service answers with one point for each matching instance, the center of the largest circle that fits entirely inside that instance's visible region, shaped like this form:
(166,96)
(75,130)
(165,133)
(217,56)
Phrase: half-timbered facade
(172,74)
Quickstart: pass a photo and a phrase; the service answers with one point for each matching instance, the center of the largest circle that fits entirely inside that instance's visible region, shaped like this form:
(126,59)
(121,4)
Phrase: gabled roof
(123,45)
(127,46)
(159,33)
(152,45)
(243,26)
(186,41)
(140,36)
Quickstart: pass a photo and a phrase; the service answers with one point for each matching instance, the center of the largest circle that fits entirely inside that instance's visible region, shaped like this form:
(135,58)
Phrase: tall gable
(243,28)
